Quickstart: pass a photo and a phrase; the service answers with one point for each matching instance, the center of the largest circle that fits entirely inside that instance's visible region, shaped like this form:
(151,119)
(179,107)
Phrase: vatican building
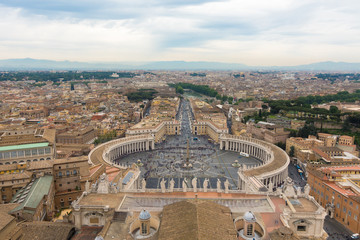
(185,176)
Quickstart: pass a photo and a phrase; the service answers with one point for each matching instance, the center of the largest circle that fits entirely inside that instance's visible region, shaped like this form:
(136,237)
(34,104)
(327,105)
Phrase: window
(143,228)
(249,230)
(41,151)
(60,174)
(21,153)
(301,228)
(349,213)
(27,153)
(344,209)
(74,172)
(6,155)
(13,154)
(60,185)
(326,197)
(355,217)
(67,173)
(47,150)
(1,156)
(351,203)
(34,152)
(338,205)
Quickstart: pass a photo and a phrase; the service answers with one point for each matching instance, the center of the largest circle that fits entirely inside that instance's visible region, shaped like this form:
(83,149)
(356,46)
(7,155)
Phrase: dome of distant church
(249,217)
(144,215)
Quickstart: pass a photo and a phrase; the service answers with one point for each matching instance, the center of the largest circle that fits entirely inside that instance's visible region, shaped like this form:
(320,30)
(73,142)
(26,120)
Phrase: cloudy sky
(253,32)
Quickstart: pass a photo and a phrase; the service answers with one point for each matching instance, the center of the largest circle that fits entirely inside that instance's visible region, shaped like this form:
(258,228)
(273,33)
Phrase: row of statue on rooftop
(185,185)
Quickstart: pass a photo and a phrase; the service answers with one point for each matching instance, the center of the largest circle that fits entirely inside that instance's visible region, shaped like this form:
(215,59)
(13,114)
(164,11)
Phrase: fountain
(236,164)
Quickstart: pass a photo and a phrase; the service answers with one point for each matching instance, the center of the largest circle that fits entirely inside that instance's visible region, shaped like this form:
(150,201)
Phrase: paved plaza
(169,156)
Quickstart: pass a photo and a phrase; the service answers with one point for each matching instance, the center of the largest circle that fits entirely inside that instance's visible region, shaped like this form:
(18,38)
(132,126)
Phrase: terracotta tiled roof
(198,220)
(38,230)
(5,217)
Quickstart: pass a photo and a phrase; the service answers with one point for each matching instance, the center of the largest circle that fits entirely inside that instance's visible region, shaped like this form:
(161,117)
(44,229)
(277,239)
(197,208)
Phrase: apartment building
(337,189)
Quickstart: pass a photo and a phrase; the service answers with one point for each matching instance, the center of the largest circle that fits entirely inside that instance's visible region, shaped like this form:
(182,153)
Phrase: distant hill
(37,64)
(328,66)
(182,65)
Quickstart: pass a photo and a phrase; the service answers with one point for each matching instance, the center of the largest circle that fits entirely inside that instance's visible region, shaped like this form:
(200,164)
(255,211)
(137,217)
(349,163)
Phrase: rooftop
(5,217)
(46,230)
(24,146)
(31,195)
(196,219)
(112,200)
(303,205)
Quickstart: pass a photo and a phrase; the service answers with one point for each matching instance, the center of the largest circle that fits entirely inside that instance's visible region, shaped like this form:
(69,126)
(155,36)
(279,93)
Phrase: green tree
(281,145)
(333,110)
(179,90)
(292,133)
(292,151)
(308,129)
(346,127)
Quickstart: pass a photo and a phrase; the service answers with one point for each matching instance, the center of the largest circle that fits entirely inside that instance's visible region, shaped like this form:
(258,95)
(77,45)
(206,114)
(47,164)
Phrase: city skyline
(260,33)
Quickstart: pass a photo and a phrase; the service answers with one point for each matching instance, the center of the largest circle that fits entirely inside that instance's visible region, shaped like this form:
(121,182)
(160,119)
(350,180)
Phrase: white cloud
(258,32)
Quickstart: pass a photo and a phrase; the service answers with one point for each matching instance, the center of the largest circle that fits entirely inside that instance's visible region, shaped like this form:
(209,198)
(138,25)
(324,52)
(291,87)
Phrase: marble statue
(218,186)
(307,190)
(206,184)
(172,183)
(143,184)
(93,187)
(113,188)
(194,184)
(184,186)
(271,186)
(226,184)
(162,185)
(298,191)
(288,189)
(87,186)
(103,185)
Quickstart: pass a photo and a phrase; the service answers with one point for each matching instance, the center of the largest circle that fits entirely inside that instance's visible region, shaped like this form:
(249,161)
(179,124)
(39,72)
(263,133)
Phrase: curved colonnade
(112,150)
(272,171)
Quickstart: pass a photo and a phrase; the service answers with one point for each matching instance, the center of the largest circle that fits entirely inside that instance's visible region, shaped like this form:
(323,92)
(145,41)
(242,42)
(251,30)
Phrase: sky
(252,32)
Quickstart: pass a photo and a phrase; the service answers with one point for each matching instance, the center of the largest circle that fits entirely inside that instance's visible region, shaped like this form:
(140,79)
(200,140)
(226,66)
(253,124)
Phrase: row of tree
(141,95)
(203,89)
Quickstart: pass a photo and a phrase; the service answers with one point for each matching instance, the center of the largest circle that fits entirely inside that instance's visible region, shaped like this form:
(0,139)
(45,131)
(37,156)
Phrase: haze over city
(259,32)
